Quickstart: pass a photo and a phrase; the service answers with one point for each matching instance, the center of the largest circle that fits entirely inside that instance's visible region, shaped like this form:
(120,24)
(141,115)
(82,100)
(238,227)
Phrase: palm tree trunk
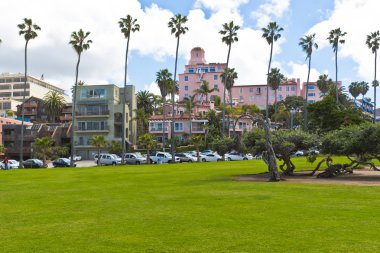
(267,99)
(163,127)
(73,113)
(172,148)
(336,75)
(275,100)
(123,118)
(374,91)
(224,94)
(22,108)
(233,125)
(307,94)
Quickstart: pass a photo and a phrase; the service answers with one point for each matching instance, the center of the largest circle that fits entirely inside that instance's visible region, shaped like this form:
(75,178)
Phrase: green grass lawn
(182,208)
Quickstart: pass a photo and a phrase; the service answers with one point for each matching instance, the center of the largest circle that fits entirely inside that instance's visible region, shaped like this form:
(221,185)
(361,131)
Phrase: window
(312,94)
(6,106)
(280,97)
(250,90)
(311,101)
(186,95)
(250,98)
(186,87)
(93,93)
(20,86)
(279,88)
(216,86)
(311,87)
(191,70)
(258,97)
(21,93)
(212,69)
(241,90)
(241,99)
(258,90)
(293,88)
(5,94)
(287,88)
(178,126)
(5,87)
(186,78)
(215,77)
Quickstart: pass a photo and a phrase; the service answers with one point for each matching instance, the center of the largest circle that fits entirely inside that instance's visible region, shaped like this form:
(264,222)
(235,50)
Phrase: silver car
(134,158)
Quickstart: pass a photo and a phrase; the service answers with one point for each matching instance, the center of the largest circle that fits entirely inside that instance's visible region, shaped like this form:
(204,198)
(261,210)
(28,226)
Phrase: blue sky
(153,48)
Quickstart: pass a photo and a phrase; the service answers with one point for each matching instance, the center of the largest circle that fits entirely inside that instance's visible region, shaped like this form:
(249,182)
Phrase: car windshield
(65,160)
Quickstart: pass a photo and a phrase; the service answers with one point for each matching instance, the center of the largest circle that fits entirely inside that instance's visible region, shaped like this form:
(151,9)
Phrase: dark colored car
(33,163)
(62,162)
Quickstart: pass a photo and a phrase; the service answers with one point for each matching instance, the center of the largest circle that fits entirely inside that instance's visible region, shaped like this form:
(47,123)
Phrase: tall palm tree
(145,101)
(80,44)
(228,78)
(149,141)
(99,141)
(176,24)
(164,82)
(271,34)
(364,87)
(275,78)
(127,25)
(205,90)
(324,84)
(354,89)
(28,30)
(373,43)
(307,44)
(229,33)
(335,38)
(54,103)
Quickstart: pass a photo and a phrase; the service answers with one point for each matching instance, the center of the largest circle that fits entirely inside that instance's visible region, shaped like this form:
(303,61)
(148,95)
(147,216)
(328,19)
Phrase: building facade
(99,112)
(8,106)
(314,93)
(34,111)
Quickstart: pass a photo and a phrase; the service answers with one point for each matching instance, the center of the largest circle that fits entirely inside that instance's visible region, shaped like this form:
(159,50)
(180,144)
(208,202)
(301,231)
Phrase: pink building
(314,93)
(198,70)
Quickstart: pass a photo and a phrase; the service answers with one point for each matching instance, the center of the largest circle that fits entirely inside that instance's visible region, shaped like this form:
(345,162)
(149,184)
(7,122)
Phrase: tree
(115,148)
(229,37)
(10,113)
(43,146)
(372,42)
(197,141)
(223,144)
(99,142)
(165,84)
(324,83)
(228,78)
(189,105)
(80,44)
(213,126)
(80,83)
(53,103)
(354,90)
(145,101)
(127,25)
(149,142)
(307,44)
(205,90)
(176,25)
(271,34)
(335,38)
(142,120)
(363,89)
(275,78)
(28,30)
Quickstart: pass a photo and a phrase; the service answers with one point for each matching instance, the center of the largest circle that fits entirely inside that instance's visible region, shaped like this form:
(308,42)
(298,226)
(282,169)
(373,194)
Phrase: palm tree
(307,44)
(197,141)
(99,141)
(54,103)
(229,33)
(335,38)
(28,30)
(324,84)
(364,87)
(127,25)
(373,43)
(156,103)
(149,141)
(354,90)
(165,83)
(80,44)
(145,101)
(271,34)
(205,90)
(189,106)
(228,78)
(142,119)
(275,78)
(42,146)
(176,25)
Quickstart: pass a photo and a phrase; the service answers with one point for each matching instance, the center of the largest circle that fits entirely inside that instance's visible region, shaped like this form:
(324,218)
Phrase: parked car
(33,163)
(234,156)
(96,157)
(184,157)
(76,158)
(314,151)
(249,156)
(211,157)
(207,151)
(299,153)
(62,162)
(162,157)
(134,158)
(12,164)
(109,159)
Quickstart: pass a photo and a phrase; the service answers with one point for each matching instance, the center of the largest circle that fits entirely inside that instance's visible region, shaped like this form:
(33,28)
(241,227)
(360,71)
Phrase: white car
(299,153)
(162,157)
(234,156)
(134,158)
(76,158)
(109,159)
(249,156)
(211,157)
(12,164)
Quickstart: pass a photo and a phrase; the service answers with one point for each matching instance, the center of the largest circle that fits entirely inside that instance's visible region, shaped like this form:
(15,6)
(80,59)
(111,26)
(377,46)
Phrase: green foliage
(54,103)
(311,157)
(60,151)
(223,144)
(43,147)
(116,148)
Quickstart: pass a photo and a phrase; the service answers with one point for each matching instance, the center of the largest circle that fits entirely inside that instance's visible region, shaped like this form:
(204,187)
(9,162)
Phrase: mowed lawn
(182,208)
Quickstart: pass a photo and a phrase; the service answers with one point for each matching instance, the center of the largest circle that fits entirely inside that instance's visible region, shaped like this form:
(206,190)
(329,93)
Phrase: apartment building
(12,87)
(34,111)
(314,93)
(8,105)
(99,111)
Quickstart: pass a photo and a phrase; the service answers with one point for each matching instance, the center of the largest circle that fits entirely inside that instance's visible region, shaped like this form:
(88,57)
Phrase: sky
(153,47)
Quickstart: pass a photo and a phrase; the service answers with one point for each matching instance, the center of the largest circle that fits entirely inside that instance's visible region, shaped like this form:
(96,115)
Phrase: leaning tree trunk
(267,98)
(289,170)
(172,147)
(269,155)
(336,75)
(306,95)
(224,94)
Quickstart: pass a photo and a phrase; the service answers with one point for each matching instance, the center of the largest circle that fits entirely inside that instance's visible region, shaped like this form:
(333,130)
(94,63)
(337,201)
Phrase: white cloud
(272,9)
(152,88)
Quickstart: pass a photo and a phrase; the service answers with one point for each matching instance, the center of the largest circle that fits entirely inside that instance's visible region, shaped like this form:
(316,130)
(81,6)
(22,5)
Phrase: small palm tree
(335,38)
(228,78)
(205,90)
(176,25)
(354,89)
(324,84)
(127,25)
(142,120)
(275,79)
(149,142)
(197,141)
(80,44)
(98,141)
(42,147)
(145,100)
(53,103)
(271,34)
(307,44)
(28,30)
(364,87)
(229,33)
(373,43)
(189,106)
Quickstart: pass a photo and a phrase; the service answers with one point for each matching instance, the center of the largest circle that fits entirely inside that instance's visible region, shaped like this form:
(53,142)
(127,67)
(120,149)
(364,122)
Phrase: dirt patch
(359,177)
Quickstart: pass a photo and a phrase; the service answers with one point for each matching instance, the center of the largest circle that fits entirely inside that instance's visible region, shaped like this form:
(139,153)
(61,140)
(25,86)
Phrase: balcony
(31,105)
(158,130)
(101,113)
(104,129)
(66,117)
(27,112)
(198,130)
